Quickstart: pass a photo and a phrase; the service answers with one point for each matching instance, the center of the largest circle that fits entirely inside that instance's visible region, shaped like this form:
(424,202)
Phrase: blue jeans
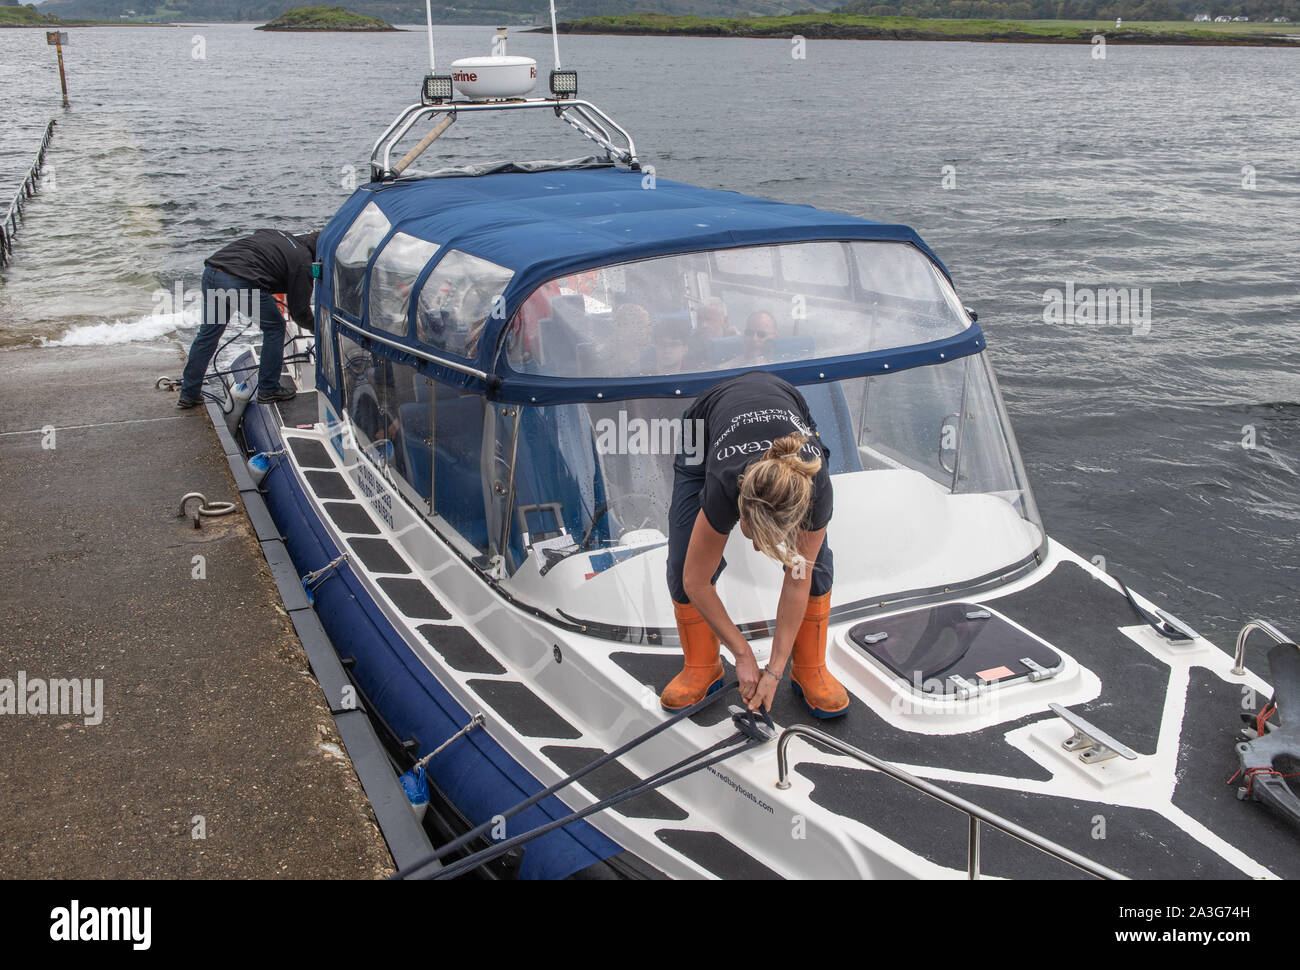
(223,296)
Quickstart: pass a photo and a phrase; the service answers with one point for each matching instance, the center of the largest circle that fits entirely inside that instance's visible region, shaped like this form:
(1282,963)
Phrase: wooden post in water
(58,38)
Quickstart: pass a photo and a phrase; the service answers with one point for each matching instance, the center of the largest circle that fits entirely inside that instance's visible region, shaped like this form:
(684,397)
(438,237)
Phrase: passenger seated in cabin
(768,471)
(621,344)
(535,309)
(710,325)
(760,329)
(243,277)
(711,321)
(671,341)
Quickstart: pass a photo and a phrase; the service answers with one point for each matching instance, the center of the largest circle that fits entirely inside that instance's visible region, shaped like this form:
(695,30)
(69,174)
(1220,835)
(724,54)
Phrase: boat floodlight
(436,89)
(564,84)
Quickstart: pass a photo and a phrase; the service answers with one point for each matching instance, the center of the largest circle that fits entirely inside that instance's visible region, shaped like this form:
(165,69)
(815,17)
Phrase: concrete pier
(216,755)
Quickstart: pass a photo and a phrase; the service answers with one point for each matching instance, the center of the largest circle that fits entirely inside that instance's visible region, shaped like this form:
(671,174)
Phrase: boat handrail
(587,119)
(1239,655)
(404,348)
(975,814)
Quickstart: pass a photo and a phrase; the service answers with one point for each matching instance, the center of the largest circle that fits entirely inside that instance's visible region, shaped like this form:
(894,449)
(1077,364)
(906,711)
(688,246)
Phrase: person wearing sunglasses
(760,331)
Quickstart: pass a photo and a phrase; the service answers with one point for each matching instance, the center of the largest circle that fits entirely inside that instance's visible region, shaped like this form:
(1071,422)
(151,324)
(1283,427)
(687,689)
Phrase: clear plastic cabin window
(390,406)
(392,279)
(325,349)
(816,265)
(457,298)
(923,458)
(353,253)
(732,309)
(945,421)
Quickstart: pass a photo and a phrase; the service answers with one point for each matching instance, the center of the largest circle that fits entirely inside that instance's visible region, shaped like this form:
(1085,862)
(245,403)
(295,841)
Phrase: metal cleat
(1092,742)
(756,725)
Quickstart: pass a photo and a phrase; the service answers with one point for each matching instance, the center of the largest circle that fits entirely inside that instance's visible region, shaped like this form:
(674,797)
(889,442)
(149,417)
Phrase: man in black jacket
(242,278)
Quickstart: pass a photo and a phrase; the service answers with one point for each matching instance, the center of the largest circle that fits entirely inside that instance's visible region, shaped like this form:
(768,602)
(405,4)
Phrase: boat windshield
(929,492)
(728,308)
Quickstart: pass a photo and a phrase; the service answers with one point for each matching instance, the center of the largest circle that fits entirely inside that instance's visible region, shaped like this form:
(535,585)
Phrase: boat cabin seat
(451,468)
(723,349)
(556,476)
(571,310)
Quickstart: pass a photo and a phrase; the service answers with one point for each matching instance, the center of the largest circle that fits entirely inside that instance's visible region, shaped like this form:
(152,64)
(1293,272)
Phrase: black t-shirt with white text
(742,416)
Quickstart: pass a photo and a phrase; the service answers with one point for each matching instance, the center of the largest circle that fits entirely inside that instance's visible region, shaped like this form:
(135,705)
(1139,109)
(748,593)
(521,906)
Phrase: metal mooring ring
(205,508)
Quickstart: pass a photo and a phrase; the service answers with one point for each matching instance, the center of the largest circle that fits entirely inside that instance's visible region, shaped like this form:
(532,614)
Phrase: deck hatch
(953,649)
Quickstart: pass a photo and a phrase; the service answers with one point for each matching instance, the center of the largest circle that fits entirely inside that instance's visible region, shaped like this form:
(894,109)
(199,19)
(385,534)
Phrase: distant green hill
(490,12)
(13,16)
(325,18)
(1129,10)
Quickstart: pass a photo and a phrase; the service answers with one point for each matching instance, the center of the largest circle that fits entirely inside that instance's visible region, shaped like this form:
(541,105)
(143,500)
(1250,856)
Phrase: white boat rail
(975,814)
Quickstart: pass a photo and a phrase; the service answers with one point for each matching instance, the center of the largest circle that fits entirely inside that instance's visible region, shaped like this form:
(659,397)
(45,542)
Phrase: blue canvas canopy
(545,225)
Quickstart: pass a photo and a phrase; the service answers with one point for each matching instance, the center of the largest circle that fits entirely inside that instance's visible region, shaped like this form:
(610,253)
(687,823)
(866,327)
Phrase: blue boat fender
(240,395)
(261,463)
(416,785)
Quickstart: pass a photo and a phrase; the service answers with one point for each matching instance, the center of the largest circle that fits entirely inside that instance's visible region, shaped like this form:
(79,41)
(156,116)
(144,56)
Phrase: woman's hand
(747,672)
(764,693)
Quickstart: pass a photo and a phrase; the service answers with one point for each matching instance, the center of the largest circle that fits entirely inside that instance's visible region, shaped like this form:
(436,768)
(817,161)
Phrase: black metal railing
(14,213)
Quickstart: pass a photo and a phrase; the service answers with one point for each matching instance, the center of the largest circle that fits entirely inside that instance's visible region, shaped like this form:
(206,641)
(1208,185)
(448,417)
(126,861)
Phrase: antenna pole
(428,16)
(555,38)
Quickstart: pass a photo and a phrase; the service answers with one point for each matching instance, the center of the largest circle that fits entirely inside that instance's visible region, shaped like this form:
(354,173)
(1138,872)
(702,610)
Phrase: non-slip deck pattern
(984,751)
(1206,762)
(302,410)
(378,555)
(351,518)
(1135,842)
(523,710)
(413,598)
(723,858)
(460,649)
(310,453)
(612,778)
(328,485)
(1081,616)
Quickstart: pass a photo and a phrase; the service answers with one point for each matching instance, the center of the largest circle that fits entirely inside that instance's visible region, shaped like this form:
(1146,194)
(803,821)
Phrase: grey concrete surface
(212,722)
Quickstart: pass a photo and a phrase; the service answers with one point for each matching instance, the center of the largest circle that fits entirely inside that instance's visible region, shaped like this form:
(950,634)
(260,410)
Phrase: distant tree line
(412,11)
(1076,9)
(530,11)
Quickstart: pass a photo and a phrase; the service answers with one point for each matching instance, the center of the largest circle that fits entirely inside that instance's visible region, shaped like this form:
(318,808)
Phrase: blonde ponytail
(775,495)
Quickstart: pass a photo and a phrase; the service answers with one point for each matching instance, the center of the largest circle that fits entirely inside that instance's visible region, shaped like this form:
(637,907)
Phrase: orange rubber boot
(702,673)
(823,694)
